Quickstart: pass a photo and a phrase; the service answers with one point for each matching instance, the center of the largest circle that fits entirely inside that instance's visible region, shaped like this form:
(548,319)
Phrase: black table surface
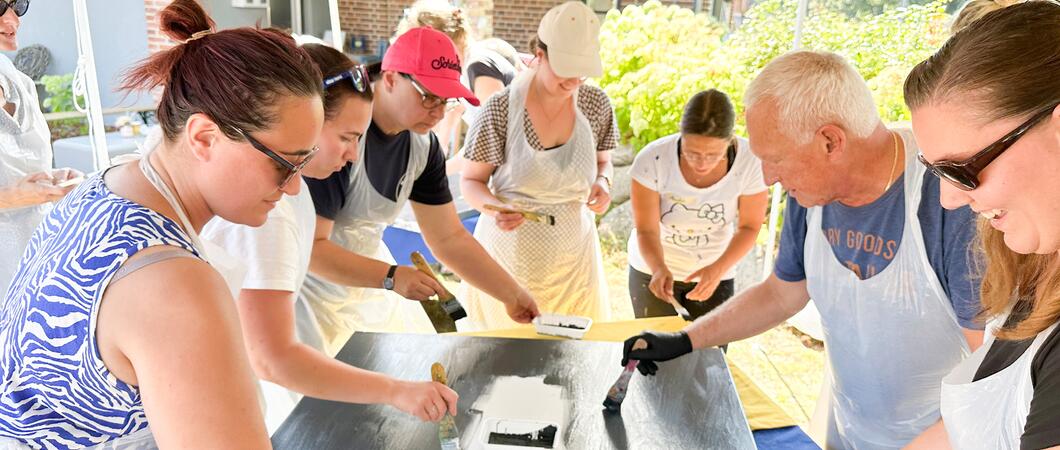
(690,404)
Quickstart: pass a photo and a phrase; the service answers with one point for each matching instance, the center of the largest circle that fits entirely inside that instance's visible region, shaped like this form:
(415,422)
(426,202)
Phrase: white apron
(989,414)
(25,148)
(559,264)
(890,338)
(341,310)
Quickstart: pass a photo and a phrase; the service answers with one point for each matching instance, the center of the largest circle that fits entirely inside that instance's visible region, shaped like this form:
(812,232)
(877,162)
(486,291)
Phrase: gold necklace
(894,163)
(541,104)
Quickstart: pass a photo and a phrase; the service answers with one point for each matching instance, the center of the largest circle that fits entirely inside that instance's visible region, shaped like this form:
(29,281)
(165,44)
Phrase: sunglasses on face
(291,170)
(20,7)
(429,100)
(965,174)
(358,76)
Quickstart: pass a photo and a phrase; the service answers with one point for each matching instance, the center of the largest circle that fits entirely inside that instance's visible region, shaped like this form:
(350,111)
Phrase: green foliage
(61,99)
(60,92)
(656,57)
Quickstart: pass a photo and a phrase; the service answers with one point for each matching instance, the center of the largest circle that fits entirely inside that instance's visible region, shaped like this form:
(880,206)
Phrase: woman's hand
(427,400)
(662,285)
(508,221)
(522,308)
(599,196)
(35,189)
(708,278)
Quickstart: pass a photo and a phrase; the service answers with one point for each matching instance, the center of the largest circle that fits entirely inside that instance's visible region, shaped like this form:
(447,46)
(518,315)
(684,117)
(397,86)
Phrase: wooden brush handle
(438,373)
(536,217)
(421,263)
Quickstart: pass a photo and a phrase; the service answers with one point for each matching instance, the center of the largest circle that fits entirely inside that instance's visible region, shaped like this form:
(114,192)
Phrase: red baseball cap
(430,57)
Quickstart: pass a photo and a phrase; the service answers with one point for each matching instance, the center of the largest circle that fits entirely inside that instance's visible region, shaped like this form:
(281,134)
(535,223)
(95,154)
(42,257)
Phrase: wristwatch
(388,282)
(607,180)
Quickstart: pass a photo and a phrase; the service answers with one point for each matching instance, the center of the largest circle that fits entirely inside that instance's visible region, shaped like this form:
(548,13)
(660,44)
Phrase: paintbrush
(448,301)
(546,219)
(617,393)
(682,311)
(448,434)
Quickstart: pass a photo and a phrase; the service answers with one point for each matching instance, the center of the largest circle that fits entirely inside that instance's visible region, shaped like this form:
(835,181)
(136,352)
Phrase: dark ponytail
(709,113)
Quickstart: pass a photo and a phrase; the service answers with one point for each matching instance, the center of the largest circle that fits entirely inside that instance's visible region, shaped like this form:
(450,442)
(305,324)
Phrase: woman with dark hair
(543,145)
(698,203)
(284,341)
(119,327)
(984,110)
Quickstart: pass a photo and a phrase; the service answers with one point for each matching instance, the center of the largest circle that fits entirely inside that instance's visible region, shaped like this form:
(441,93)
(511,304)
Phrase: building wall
(119,39)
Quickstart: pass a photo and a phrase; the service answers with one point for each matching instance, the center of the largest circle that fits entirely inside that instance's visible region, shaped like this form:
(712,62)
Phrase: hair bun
(182,19)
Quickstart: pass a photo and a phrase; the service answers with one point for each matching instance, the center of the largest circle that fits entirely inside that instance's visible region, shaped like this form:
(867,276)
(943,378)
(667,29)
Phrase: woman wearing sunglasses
(988,124)
(544,145)
(698,203)
(283,339)
(28,185)
(119,327)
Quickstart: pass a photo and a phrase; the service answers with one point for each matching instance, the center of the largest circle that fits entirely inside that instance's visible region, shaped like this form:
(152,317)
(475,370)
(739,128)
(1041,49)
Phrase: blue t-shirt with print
(866,239)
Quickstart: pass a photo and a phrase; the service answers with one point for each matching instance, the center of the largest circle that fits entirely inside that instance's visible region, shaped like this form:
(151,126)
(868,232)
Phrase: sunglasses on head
(358,76)
(20,6)
(965,174)
(291,170)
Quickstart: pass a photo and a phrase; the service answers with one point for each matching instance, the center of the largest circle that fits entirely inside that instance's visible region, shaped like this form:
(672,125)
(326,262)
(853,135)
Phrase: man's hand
(661,347)
(415,285)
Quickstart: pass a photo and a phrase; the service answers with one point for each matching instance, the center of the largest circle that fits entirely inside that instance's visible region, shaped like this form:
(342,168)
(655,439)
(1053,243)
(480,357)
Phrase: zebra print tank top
(56,391)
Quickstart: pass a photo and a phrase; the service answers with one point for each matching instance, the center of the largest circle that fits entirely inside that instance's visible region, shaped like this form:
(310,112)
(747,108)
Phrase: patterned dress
(56,392)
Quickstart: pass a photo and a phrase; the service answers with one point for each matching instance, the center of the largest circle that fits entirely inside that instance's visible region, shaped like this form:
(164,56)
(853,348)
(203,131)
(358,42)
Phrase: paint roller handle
(651,347)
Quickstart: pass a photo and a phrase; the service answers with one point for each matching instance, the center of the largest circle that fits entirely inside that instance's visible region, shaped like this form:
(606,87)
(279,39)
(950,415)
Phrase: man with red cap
(399,160)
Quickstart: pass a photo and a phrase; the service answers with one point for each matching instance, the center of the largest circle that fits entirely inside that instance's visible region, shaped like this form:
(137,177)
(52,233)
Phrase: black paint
(690,404)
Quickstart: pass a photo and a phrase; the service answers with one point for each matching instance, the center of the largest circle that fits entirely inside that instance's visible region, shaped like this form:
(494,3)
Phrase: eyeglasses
(292,169)
(965,174)
(358,76)
(20,6)
(428,100)
(711,158)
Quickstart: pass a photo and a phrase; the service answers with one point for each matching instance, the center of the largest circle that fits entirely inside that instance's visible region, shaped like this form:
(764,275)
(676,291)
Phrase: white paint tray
(573,327)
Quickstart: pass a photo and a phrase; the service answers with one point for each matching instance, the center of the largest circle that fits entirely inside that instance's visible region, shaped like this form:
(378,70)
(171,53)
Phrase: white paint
(518,405)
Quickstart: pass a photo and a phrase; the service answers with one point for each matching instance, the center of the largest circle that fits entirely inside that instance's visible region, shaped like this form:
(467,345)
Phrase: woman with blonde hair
(988,123)
(489,65)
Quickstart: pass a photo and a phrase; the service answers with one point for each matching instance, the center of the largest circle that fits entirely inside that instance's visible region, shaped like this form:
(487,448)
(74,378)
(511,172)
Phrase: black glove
(661,347)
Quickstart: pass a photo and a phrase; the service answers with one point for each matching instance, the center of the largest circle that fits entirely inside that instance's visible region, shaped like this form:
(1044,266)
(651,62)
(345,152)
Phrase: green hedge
(656,56)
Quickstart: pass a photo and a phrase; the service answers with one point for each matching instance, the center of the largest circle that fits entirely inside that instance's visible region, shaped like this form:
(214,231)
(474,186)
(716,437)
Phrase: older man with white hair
(866,238)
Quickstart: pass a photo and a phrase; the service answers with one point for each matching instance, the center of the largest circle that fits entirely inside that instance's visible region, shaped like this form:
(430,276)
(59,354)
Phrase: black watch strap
(388,282)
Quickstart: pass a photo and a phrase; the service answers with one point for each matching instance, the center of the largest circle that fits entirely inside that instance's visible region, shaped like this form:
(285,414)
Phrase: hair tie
(197,35)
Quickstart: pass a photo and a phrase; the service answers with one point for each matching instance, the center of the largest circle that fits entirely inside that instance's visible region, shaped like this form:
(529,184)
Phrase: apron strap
(139,263)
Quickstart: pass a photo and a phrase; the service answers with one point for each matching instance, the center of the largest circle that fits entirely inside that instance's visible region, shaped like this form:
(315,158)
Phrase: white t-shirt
(277,253)
(696,224)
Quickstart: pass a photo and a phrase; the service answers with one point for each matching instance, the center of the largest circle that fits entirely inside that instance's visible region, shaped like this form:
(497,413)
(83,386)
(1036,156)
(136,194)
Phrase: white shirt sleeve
(645,168)
(752,181)
(271,251)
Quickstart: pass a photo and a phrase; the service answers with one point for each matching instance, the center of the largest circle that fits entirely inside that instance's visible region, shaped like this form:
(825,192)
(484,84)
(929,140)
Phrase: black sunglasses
(292,169)
(965,174)
(20,6)
(358,76)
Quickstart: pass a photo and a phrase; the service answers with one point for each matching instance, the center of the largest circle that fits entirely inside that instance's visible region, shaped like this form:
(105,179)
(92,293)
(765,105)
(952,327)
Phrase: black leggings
(646,304)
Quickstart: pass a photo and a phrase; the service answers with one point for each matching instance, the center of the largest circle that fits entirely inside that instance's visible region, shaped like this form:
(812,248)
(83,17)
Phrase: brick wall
(156,40)
(512,20)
